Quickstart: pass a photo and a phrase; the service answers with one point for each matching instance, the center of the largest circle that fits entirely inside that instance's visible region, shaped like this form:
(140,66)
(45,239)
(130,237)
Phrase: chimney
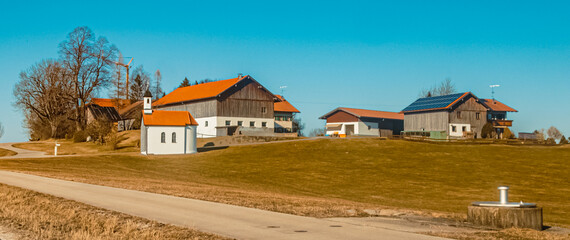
(240,75)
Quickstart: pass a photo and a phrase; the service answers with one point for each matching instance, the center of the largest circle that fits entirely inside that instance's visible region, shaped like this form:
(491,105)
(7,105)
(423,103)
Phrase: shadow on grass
(207,149)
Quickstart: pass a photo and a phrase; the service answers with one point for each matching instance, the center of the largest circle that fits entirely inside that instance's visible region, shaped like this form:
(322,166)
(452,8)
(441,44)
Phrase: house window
(163,137)
(264,124)
(206,124)
(240,123)
(454,128)
(369,127)
(173,137)
(263,110)
(478,116)
(252,124)
(464,129)
(228,122)
(458,114)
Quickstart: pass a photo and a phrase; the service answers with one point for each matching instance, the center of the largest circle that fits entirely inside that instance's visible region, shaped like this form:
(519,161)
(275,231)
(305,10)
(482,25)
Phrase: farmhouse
(284,114)
(459,115)
(362,122)
(167,132)
(223,107)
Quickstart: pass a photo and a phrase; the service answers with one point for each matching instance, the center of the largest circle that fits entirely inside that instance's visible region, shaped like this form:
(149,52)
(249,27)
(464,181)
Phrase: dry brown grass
(6,152)
(38,216)
(511,233)
(128,143)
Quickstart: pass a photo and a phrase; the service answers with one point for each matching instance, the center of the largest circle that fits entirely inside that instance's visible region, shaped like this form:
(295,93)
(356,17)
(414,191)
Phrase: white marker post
(55,150)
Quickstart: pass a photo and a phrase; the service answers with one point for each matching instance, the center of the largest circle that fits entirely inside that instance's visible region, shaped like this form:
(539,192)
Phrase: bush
(550,141)
(487,131)
(98,130)
(563,140)
(507,134)
(113,139)
(79,136)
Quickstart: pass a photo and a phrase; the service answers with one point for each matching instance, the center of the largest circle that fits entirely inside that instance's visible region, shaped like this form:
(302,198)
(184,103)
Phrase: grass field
(328,176)
(33,215)
(6,152)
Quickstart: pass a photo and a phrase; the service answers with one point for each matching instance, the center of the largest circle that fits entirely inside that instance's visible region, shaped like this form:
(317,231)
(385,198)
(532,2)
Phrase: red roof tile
(168,118)
(108,102)
(367,113)
(283,105)
(200,91)
(497,106)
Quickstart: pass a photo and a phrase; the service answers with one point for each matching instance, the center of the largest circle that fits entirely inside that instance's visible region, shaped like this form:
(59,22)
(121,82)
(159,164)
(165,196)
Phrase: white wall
(204,131)
(234,121)
(364,131)
(459,129)
(360,128)
(154,140)
(213,122)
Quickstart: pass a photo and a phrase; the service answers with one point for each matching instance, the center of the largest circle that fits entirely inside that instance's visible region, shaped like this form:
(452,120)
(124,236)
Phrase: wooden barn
(459,115)
(234,106)
(362,122)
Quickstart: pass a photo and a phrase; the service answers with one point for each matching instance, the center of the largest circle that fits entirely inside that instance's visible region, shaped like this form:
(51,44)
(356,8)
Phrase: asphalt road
(22,153)
(222,219)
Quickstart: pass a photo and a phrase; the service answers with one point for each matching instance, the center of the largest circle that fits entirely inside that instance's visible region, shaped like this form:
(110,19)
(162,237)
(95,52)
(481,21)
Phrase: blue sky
(362,54)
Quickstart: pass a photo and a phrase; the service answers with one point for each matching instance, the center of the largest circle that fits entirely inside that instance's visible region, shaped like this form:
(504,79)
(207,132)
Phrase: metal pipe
(503,194)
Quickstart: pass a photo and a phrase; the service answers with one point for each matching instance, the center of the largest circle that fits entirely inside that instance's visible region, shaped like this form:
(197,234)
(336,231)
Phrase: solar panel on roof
(432,102)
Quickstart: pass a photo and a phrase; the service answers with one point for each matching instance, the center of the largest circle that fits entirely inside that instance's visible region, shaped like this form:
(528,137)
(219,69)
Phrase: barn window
(163,137)
(228,122)
(206,124)
(252,124)
(477,116)
(464,129)
(369,127)
(173,137)
(263,110)
(459,114)
(240,123)
(264,124)
(454,128)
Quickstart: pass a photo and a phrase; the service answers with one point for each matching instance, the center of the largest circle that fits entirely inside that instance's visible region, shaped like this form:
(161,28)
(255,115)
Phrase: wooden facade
(246,99)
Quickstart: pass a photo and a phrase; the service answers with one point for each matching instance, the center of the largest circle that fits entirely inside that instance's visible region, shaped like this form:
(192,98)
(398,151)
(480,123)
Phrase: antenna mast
(493,91)
(282,89)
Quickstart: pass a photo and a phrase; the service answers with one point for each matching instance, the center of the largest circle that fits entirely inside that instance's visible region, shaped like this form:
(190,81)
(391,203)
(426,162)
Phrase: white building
(167,132)
(362,122)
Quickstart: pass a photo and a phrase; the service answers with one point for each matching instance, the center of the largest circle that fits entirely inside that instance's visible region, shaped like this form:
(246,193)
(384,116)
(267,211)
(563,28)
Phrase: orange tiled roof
(497,106)
(367,113)
(168,118)
(283,105)
(200,91)
(108,102)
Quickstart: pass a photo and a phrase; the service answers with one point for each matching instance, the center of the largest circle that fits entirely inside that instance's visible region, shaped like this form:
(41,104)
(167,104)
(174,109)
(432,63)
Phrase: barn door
(349,130)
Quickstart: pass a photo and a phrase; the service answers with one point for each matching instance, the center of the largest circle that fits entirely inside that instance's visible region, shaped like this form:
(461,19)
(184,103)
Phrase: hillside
(328,177)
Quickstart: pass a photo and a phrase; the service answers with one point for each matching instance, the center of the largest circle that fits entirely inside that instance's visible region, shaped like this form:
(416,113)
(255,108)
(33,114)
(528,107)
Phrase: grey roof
(104,113)
(432,103)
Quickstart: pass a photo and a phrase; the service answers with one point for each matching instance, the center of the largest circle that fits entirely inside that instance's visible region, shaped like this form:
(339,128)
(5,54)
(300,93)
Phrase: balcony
(502,123)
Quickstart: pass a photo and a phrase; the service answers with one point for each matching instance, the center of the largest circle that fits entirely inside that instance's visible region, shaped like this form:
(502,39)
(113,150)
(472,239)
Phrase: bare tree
(140,84)
(554,133)
(88,60)
(157,89)
(45,94)
(445,88)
